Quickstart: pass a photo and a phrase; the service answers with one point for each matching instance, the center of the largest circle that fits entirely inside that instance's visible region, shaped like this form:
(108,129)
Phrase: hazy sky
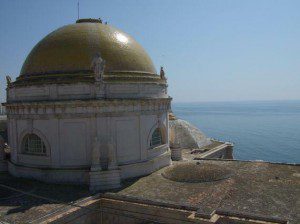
(212,50)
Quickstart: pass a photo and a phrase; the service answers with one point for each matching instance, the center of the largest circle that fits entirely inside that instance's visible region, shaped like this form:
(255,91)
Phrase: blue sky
(211,50)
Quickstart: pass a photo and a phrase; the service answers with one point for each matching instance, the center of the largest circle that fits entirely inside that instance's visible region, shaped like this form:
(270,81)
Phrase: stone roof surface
(26,201)
(256,188)
(260,189)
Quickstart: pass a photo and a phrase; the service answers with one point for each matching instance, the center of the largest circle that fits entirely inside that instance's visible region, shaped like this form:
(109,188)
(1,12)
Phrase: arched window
(33,144)
(156,138)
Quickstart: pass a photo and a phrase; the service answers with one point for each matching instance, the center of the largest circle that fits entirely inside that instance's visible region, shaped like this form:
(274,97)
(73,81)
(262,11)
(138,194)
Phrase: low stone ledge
(253,217)
(105,180)
(223,151)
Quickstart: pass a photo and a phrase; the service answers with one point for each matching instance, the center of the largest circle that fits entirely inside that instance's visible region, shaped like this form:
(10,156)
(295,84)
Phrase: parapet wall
(111,209)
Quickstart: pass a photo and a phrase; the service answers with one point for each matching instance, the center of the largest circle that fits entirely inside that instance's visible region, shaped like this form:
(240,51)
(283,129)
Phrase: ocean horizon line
(236,101)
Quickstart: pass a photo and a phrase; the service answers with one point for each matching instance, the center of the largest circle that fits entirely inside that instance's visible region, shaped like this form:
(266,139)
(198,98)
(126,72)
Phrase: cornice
(88,106)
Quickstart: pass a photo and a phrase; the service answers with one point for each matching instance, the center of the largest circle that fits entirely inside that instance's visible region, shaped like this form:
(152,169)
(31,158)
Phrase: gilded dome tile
(69,51)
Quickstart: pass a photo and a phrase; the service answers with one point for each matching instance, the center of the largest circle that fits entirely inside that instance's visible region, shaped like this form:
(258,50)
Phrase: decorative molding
(88,91)
(88,106)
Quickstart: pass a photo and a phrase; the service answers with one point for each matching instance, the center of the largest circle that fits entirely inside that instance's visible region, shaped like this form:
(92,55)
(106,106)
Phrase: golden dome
(68,52)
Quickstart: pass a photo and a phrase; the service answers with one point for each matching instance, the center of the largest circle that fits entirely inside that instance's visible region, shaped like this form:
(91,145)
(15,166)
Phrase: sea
(260,130)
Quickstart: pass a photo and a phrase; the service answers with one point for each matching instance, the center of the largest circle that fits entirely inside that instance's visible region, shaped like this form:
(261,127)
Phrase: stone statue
(8,80)
(98,66)
(162,73)
(96,155)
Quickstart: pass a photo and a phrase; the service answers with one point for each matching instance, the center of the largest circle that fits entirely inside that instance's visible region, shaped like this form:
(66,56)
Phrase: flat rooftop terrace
(26,201)
(258,189)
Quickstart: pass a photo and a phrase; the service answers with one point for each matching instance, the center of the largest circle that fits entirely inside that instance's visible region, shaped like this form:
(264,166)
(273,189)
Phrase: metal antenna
(78,10)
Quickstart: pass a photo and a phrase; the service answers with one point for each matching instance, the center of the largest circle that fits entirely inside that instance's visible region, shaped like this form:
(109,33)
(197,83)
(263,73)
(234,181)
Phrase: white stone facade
(67,117)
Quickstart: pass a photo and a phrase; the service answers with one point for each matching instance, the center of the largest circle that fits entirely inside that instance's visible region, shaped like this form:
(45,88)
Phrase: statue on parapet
(8,81)
(162,73)
(98,66)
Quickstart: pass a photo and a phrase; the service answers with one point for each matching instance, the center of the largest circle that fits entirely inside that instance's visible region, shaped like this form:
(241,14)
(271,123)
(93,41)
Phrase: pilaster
(3,162)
